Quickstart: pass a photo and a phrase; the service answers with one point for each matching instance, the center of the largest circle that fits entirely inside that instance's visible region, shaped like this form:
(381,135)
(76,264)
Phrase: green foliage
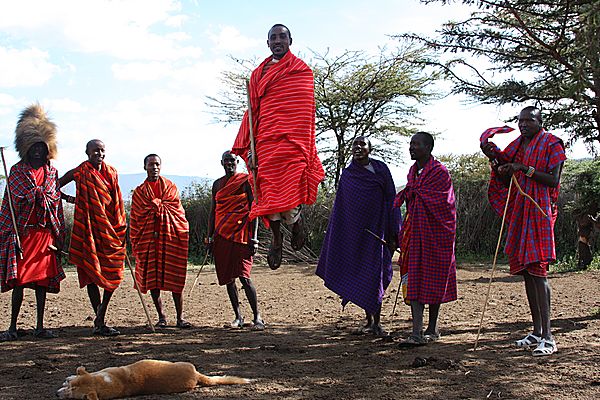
(570,263)
(543,52)
(196,201)
(477,223)
(357,95)
(583,178)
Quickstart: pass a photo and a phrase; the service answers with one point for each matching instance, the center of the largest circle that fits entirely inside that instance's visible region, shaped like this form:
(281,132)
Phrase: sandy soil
(309,351)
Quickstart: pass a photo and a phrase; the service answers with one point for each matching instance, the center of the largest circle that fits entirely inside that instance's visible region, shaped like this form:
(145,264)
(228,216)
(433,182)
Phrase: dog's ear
(91,396)
(81,370)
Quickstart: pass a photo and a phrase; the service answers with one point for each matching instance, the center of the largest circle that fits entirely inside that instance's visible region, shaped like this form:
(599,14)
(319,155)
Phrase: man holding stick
(282,113)
(159,235)
(230,237)
(535,160)
(99,227)
(427,238)
(31,220)
(356,259)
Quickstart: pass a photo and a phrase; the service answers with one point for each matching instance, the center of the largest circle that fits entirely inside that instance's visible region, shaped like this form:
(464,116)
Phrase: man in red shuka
(288,170)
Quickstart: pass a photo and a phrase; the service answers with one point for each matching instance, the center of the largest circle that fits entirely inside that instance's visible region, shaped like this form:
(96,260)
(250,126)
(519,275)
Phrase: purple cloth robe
(353,263)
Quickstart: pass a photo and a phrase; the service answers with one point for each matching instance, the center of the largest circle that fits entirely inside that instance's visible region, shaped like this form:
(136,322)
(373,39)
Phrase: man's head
(95,151)
(361,148)
(229,163)
(530,121)
(279,40)
(152,165)
(421,146)
(37,155)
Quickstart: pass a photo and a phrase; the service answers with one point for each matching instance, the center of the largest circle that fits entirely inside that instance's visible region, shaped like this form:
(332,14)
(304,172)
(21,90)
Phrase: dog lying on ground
(142,377)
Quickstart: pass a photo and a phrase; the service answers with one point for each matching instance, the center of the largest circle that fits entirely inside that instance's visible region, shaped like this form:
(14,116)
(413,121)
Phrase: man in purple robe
(354,262)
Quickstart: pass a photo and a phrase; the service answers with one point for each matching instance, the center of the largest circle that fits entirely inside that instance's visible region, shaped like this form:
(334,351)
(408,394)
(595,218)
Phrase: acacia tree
(355,95)
(362,96)
(543,51)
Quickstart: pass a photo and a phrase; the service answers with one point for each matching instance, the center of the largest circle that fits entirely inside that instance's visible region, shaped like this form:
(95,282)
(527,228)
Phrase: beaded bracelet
(530,172)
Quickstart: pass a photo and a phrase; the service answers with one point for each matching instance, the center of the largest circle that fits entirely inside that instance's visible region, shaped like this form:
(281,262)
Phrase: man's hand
(510,168)
(489,149)
(253,246)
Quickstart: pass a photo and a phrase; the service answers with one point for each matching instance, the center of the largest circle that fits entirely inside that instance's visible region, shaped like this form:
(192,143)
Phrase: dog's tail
(205,380)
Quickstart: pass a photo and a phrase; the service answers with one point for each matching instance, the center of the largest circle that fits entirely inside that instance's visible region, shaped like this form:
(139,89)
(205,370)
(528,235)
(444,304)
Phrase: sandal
(274,257)
(8,336)
(183,324)
(431,337)
(162,323)
(413,341)
(378,331)
(528,341)
(258,325)
(237,323)
(545,348)
(106,331)
(298,235)
(44,334)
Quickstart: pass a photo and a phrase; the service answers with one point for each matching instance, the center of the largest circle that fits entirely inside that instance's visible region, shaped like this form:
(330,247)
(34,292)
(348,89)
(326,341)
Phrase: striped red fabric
(99,226)
(283,112)
(159,235)
(232,210)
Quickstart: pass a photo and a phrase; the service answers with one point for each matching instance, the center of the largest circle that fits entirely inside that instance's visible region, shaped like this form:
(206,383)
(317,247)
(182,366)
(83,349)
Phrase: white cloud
(141,71)
(25,67)
(122,29)
(63,105)
(176,21)
(229,39)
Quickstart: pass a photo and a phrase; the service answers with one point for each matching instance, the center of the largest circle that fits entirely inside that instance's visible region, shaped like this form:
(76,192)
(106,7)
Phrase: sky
(136,74)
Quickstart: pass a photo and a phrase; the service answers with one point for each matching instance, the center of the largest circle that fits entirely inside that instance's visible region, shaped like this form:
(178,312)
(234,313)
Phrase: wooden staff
(383,242)
(139,292)
(10,206)
(253,157)
(198,275)
(493,265)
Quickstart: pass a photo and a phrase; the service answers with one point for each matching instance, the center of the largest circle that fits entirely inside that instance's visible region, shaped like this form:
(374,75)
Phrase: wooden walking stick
(487,296)
(198,275)
(252,156)
(10,206)
(139,292)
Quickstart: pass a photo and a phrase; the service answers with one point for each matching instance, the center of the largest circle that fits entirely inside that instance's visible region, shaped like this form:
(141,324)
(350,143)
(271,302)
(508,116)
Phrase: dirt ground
(309,351)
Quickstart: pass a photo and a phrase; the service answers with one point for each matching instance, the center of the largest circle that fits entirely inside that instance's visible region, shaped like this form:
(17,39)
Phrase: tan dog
(142,377)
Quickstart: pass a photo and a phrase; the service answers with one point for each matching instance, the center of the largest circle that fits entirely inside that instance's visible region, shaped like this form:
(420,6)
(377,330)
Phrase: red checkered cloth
(530,235)
(490,132)
(31,202)
(429,245)
(283,115)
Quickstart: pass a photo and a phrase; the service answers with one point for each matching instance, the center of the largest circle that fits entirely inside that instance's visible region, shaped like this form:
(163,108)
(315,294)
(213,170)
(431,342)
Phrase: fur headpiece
(33,127)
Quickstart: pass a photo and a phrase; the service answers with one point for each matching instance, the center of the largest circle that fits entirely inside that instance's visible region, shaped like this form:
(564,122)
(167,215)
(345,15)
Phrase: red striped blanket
(99,226)
(159,235)
(283,112)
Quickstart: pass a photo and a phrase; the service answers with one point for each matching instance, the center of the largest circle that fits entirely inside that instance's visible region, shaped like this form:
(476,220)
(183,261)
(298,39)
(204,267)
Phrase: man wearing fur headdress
(38,214)
(98,235)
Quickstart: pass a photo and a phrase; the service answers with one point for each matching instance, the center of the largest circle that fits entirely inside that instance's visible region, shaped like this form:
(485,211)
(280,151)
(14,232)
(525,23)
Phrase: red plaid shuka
(28,198)
(159,235)
(283,115)
(529,235)
(99,227)
(428,246)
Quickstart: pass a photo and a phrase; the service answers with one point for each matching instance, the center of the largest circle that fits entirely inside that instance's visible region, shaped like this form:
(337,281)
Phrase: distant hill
(128,182)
